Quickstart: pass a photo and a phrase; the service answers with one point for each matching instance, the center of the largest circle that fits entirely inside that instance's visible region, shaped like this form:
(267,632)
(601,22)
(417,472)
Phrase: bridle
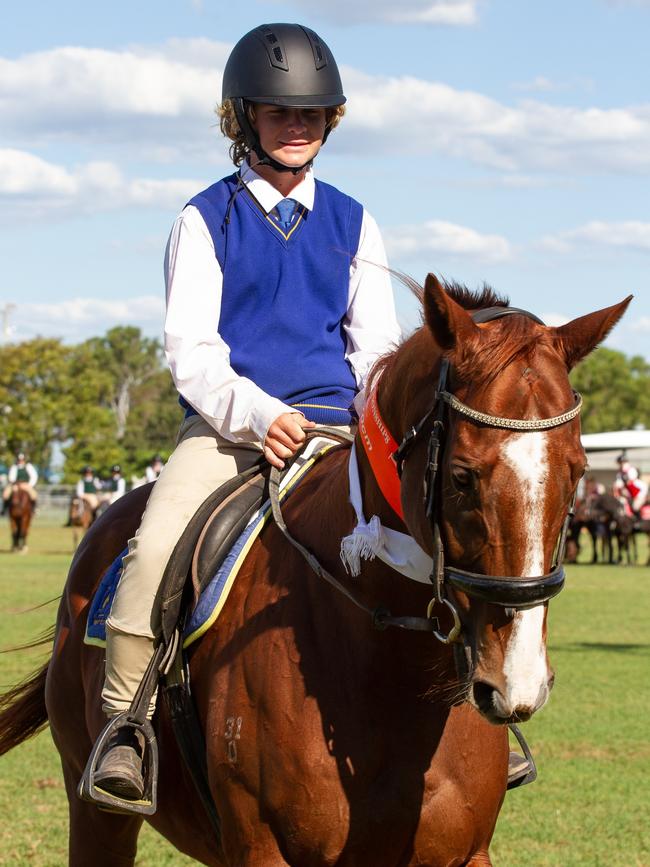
(510,592)
(513,593)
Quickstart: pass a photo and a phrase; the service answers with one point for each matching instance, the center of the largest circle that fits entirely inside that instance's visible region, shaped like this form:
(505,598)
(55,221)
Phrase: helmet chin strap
(253,141)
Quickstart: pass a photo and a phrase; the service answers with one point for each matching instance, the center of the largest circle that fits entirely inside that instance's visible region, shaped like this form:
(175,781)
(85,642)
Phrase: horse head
(502,427)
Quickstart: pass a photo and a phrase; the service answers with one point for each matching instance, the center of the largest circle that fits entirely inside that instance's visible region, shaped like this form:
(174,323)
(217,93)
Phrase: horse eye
(462,477)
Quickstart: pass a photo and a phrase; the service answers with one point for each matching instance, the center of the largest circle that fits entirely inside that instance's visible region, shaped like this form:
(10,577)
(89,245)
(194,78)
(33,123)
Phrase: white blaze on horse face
(525,669)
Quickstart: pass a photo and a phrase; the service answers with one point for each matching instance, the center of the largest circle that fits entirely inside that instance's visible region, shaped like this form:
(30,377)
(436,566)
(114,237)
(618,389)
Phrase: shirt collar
(267,195)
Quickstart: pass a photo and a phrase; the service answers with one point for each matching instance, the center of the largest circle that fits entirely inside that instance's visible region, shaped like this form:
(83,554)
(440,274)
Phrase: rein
(380,616)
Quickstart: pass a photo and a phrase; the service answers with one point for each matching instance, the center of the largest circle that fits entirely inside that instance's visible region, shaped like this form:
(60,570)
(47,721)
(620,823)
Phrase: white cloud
(79,318)
(149,100)
(631,235)
(554,319)
(642,324)
(542,84)
(466,124)
(449,12)
(157,103)
(446,238)
(36,187)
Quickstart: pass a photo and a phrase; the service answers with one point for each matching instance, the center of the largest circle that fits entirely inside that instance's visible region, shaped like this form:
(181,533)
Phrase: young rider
(629,484)
(88,488)
(276,310)
(154,469)
(22,474)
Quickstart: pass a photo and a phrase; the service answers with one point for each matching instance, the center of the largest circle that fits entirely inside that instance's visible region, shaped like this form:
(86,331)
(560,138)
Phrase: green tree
(615,390)
(125,406)
(35,397)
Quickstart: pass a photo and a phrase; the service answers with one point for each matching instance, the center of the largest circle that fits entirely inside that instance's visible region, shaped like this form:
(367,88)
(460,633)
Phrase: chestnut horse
(329,742)
(80,517)
(21,509)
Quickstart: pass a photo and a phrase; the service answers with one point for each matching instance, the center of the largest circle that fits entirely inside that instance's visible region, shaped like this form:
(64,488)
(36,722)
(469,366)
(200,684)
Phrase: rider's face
(292,136)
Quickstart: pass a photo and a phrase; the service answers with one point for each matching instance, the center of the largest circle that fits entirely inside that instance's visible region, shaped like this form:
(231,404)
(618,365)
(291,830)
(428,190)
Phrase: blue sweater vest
(285,296)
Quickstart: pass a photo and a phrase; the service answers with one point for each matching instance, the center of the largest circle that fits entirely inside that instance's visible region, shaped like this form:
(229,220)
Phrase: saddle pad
(214,597)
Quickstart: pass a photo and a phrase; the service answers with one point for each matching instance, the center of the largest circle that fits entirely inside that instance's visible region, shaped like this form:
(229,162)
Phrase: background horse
(327,741)
(80,517)
(21,510)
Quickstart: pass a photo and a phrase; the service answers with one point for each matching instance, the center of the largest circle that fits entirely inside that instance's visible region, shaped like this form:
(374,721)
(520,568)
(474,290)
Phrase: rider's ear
(577,338)
(450,324)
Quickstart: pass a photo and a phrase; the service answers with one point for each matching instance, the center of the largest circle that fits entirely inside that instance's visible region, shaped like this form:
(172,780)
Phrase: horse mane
(470,299)
(484,359)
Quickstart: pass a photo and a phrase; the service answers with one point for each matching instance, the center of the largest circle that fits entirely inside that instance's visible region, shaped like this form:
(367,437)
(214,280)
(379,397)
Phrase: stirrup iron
(88,790)
(525,776)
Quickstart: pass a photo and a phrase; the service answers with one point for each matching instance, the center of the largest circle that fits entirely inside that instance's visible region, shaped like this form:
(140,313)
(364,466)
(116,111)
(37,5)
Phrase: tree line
(111,400)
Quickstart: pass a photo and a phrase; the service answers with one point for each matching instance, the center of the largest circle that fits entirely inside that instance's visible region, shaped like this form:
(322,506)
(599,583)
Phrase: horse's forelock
(506,341)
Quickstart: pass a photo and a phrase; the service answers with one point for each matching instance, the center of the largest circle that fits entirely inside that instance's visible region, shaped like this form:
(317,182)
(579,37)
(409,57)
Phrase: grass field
(590,805)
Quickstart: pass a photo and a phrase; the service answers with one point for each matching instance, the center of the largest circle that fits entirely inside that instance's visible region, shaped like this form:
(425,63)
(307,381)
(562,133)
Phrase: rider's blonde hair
(239,149)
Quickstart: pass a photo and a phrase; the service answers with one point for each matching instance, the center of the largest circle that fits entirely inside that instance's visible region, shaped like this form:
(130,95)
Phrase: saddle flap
(223,528)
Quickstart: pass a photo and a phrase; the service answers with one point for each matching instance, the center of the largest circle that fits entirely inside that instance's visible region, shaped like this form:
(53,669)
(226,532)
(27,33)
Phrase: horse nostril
(484,696)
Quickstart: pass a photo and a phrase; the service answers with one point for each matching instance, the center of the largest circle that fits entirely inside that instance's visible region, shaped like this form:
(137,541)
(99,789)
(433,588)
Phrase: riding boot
(518,768)
(120,769)
(5,506)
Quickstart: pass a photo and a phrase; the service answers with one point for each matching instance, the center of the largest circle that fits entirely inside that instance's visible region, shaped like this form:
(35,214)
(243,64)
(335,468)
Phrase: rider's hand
(284,437)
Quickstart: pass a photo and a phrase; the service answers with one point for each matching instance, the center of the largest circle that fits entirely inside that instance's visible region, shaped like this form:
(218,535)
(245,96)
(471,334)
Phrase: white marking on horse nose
(524,666)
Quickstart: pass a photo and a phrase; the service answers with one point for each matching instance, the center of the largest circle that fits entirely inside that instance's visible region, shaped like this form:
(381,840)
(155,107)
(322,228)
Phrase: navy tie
(285,209)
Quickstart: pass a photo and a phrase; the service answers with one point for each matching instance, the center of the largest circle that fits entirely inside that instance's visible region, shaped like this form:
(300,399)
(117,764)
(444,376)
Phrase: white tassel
(364,542)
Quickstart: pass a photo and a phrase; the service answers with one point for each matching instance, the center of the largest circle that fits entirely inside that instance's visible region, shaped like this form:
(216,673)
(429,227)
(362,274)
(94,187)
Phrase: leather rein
(513,593)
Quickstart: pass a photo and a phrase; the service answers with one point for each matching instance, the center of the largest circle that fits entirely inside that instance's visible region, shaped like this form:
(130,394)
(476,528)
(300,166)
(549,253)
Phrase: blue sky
(506,142)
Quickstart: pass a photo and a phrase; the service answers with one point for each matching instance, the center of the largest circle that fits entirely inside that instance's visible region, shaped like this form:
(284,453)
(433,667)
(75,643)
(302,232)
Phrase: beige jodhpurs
(201,461)
(25,486)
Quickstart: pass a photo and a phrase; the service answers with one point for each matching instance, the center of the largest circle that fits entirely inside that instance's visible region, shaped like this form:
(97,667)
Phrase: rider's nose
(296,121)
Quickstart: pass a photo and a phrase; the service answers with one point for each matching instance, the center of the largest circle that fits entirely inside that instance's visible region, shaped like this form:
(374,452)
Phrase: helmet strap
(253,141)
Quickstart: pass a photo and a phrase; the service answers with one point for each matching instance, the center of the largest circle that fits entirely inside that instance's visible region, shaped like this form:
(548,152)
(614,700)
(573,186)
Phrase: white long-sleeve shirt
(31,472)
(199,359)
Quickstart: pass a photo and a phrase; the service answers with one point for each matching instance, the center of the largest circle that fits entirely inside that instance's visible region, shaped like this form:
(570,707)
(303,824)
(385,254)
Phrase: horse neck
(324,518)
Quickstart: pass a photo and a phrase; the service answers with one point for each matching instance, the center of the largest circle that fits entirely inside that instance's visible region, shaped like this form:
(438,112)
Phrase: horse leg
(97,837)
(481,859)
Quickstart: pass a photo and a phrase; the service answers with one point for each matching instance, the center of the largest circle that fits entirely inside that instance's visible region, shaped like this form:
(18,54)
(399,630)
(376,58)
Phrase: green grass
(590,805)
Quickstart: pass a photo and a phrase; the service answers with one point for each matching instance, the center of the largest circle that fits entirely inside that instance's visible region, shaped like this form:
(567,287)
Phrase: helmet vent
(274,48)
(319,57)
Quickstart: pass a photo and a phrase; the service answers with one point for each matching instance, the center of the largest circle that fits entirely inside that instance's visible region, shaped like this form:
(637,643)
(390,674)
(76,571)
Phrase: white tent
(603,449)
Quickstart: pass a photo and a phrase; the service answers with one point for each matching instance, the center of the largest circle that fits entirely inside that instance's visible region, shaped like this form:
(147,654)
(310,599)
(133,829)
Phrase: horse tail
(22,709)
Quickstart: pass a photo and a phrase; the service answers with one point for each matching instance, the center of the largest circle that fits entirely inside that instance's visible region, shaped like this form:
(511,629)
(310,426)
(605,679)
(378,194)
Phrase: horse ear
(577,338)
(450,324)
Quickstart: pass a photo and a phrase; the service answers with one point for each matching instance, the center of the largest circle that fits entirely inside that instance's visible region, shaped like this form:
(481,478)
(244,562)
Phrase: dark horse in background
(21,510)
(603,517)
(329,742)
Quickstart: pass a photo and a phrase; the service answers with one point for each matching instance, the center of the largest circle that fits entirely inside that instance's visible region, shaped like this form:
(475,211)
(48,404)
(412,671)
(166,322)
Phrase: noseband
(510,592)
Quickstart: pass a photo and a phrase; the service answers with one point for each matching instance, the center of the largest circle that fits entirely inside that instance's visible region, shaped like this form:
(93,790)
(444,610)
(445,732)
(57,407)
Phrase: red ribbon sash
(380,446)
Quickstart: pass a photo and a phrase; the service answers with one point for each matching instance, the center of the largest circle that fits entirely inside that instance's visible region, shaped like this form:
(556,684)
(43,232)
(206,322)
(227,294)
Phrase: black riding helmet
(280,64)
